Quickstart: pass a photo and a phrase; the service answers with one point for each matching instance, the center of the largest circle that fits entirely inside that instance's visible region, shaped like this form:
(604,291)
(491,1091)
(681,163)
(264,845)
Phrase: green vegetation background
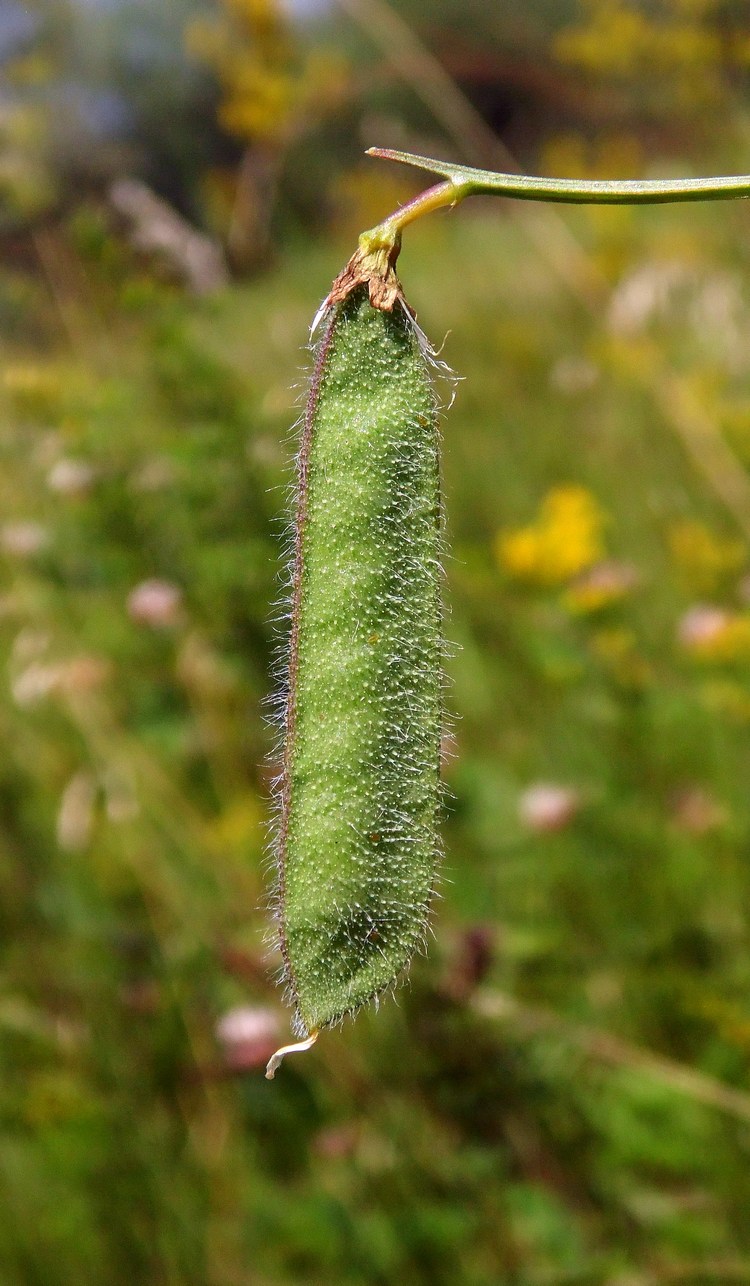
(560,1092)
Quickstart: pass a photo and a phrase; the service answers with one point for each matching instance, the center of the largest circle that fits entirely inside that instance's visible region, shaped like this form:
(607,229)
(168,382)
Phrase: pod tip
(299,1047)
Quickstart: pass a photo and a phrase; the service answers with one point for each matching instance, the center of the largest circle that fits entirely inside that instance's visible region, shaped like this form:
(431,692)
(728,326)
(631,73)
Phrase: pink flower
(156,603)
(70,477)
(712,633)
(23,539)
(600,586)
(248,1036)
(697,812)
(545,808)
(702,625)
(75,677)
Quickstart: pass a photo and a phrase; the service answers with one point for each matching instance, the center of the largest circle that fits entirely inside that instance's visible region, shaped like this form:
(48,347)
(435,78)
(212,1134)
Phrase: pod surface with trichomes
(359,793)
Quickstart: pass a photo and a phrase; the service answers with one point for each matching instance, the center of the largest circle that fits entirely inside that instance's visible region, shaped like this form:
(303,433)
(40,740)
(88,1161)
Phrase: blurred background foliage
(560,1093)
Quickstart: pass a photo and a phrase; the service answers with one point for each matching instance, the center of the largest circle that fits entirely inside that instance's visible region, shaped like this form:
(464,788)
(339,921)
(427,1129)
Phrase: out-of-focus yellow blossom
(710,633)
(239,825)
(35,389)
(617,650)
(727,699)
(50,1099)
(619,40)
(679,50)
(564,541)
(260,102)
(704,559)
(612,42)
(600,587)
(31,69)
(732,1022)
(360,196)
(612,156)
(571,156)
(269,85)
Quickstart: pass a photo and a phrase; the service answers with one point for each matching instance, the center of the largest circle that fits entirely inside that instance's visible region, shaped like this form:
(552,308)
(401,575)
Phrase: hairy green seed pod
(359,793)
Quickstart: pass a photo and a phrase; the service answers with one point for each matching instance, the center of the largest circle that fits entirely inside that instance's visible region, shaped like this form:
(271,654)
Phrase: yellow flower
(34,389)
(617,650)
(565,539)
(704,559)
(239,827)
(725,698)
(730,1019)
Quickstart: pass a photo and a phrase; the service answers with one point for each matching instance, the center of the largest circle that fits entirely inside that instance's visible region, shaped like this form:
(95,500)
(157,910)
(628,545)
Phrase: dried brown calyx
(373,265)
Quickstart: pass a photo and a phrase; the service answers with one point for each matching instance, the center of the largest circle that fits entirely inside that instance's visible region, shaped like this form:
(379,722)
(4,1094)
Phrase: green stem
(463,181)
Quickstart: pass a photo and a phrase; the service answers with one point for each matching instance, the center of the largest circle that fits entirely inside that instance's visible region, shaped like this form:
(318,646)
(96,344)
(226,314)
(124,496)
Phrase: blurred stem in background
(272,94)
